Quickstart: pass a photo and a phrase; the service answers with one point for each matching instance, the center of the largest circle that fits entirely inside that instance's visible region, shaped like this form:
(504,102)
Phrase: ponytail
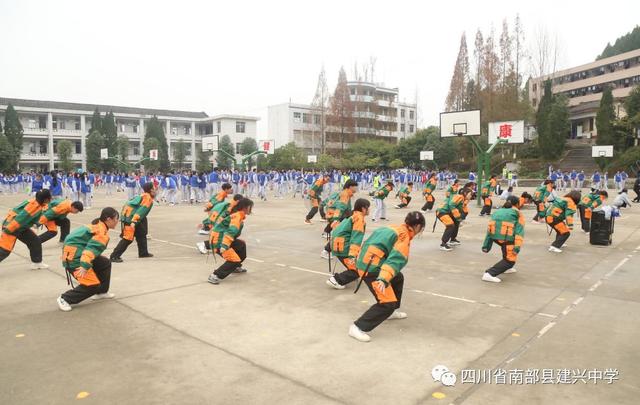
(107,213)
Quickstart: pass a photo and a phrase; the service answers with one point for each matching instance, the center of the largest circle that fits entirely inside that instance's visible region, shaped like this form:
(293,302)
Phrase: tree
(180,153)
(396,164)
(203,163)
(632,107)
(110,133)
(341,107)
(287,157)
(149,145)
(123,148)
(65,149)
(96,122)
(369,154)
(13,131)
(552,123)
(95,142)
(457,97)
(223,159)
(626,43)
(319,107)
(604,123)
(154,130)
(248,146)
(6,155)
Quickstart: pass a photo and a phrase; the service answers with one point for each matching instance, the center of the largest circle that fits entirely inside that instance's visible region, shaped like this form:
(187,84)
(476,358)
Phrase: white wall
(280,124)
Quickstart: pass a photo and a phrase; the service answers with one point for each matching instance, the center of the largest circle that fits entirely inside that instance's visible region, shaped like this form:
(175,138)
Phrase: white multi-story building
(377,114)
(47,122)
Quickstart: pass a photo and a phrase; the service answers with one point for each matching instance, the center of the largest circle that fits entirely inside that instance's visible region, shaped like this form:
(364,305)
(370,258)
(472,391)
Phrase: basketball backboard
(312,158)
(460,123)
(602,151)
(210,143)
(510,131)
(267,145)
(153,154)
(426,155)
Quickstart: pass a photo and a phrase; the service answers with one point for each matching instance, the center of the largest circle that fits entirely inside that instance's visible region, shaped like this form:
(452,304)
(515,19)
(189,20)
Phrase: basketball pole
(484,165)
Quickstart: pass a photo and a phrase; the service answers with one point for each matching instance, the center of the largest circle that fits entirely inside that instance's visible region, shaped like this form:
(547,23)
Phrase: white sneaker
(554,249)
(201,248)
(331,282)
(397,315)
(324,254)
(38,266)
(105,296)
(535,222)
(213,279)
(357,334)
(511,271)
(63,305)
(454,242)
(203,232)
(446,248)
(488,277)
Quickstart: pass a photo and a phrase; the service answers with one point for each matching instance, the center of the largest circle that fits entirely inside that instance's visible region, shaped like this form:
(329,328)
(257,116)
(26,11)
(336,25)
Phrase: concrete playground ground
(564,329)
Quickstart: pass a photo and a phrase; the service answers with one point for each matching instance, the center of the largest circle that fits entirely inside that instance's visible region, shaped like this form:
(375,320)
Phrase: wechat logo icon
(441,373)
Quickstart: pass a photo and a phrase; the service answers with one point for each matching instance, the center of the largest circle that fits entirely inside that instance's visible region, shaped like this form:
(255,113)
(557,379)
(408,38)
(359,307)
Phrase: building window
(78,147)
(411,128)
(353,91)
(240,127)
(535,102)
(316,119)
(54,124)
(218,126)
(32,124)
(43,147)
(297,117)
(535,87)
(238,148)
(42,121)
(402,113)
(411,115)
(306,118)
(77,125)
(135,129)
(174,131)
(136,149)
(401,127)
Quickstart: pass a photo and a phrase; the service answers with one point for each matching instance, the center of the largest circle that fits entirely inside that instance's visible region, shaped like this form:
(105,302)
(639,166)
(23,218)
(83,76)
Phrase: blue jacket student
(130,182)
(213,177)
(193,181)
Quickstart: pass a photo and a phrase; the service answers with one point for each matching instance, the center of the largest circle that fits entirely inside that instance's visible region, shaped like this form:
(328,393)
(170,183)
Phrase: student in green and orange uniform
(560,218)
(346,239)
(218,213)
(451,213)
(429,187)
(453,189)
(225,241)
(205,227)
(404,194)
(134,223)
(338,205)
(315,195)
(17,226)
(81,257)
(56,216)
(382,257)
(586,206)
(540,197)
(506,229)
(486,192)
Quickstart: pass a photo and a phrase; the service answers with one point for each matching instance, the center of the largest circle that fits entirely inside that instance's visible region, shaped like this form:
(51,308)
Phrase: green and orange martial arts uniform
(56,216)
(540,197)
(560,218)
(451,212)
(486,192)
(17,226)
(506,229)
(224,241)
(586,206)
(429,188)
(83,248)
(134,224)
(404,194)
(383,255)
(452,190)
(315,195)
(338,208)
(346,240)
(213,201)
(217,214)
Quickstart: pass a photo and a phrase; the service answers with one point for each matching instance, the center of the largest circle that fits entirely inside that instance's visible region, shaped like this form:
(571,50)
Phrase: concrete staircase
(578,157)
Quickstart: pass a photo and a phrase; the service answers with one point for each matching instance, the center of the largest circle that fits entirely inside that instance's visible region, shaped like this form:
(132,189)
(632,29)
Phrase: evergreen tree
(626,43)
(632,107)
(96,122)
(248,146)
(155,130)
(13,131)
(223,160)
(203,162)
(179,153)
(604,118)
(552,123)
(123,148)
(65,150)
(110,133)
(150,144)
(6,155)
(95,142)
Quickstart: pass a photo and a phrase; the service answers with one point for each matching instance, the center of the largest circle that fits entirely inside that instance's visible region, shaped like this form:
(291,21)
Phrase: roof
(62,105)
(584,107)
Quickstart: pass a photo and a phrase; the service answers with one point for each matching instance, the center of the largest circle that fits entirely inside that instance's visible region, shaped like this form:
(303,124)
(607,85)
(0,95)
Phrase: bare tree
(518,38)
(545,52)
(319,107)
(341,108)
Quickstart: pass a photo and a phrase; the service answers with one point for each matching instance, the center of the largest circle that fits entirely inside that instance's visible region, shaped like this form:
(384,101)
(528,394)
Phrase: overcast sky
(239,57)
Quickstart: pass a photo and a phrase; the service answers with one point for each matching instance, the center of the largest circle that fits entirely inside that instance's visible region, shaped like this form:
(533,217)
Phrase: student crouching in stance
(381,259)
(81,257)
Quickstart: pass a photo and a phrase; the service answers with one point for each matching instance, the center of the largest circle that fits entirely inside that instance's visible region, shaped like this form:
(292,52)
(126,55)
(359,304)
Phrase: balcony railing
(36,131)
(361,98)
(34,156)
(386,118)
(75,132)
(361,130)
(364,114)
(386,103)
(129,134)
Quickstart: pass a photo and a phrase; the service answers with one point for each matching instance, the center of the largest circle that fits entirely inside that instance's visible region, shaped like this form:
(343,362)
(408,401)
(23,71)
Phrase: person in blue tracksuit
(37,184)
(193,188)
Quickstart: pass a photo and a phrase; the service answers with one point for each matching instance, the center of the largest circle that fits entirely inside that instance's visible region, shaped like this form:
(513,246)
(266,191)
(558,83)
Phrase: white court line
(308,270)
(546,328)
(547,315)
(622,262)
(255,260)
(595,286)
(281,265)
(453,298)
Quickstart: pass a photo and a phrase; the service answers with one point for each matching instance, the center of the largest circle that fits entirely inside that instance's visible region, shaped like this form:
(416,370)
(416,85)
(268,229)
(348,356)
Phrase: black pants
(637,191)
(346,276)
(503,265)
(30,239)
(102,268)
(65,227)
(228,267)
(314,210)
(486,208)
(428,205)
(402,205)
(380,311)
(585,223)
(450,233)
(561,238)
(140,234)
